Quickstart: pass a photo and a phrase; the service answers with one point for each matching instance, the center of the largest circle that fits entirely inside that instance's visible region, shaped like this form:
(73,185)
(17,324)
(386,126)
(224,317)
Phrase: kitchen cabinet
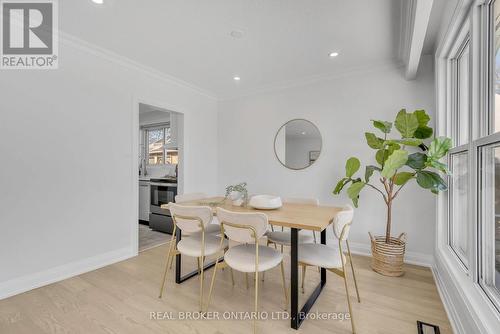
(144,195)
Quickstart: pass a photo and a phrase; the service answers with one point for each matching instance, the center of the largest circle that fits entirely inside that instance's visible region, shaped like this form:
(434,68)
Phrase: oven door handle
(163,184)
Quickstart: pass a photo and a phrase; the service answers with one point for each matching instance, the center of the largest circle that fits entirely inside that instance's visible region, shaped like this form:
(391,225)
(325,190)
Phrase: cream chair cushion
(190,225)
(209,229)
(256,220)
(284,238)
(242,258)
(320,255)
(191,246)
(341,219)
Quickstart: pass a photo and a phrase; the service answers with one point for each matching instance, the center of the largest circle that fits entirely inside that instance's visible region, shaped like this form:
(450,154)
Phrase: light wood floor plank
(119,298)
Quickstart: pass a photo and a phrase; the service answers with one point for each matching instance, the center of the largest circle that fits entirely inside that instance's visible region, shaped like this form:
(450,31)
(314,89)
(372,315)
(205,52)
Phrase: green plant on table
(239,188)
(399,161)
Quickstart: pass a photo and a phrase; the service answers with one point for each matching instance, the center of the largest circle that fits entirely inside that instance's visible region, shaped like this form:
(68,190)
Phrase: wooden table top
(301,216)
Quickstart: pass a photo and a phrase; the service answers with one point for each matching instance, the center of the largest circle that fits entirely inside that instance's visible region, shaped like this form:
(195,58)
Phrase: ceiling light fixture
(99,2)
(237,78)
(236,34)
(303,133)
(333,54)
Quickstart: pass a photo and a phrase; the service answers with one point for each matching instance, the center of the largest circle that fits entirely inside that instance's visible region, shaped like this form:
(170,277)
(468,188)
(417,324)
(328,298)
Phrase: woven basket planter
(388,258)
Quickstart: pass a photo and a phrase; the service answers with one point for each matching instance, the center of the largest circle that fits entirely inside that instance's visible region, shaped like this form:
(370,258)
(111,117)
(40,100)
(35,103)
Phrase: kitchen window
(157,148)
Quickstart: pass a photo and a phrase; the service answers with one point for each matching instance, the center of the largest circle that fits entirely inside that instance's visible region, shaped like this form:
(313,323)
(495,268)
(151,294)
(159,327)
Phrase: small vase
(238,202)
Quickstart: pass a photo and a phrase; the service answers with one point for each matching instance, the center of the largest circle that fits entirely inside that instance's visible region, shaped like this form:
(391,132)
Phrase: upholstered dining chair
(248,255)
(332,258)
(213,227)
(199,244)
(282,237)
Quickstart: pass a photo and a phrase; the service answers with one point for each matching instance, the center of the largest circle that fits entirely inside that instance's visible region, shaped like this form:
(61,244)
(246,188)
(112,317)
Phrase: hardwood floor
(120,298)
(149,238)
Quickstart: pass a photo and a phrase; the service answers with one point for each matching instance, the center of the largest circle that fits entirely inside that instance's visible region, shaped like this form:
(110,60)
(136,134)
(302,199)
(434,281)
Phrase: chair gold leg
(201,262)
(256,302)
(353,273)
(232,275)
(212,282)
(171,261)
(314,236)
(348,297)
(167,264)
(284,285)
(303,276)
(282,248)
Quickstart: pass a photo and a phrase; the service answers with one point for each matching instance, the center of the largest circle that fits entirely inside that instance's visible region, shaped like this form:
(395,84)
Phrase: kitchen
(159,150)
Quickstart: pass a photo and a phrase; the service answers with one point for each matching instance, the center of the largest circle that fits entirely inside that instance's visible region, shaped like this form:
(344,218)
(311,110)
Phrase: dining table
(294,216)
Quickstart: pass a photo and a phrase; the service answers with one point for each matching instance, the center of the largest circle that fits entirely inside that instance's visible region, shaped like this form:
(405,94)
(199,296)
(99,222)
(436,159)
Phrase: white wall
(341,108)
(62,132)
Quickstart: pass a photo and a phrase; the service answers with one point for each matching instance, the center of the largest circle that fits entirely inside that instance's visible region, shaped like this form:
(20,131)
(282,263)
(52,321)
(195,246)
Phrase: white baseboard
(419,259)
(32,281)
(449,306)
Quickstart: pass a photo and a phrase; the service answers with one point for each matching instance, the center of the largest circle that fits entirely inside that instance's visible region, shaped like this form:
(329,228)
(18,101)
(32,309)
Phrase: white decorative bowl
(265,202)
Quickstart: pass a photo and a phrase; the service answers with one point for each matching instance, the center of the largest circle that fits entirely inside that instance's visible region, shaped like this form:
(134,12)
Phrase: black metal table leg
(294,278)
(178,269)
(298,317)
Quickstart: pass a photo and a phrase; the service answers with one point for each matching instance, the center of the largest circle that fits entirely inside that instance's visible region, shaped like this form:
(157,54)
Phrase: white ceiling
(284,41)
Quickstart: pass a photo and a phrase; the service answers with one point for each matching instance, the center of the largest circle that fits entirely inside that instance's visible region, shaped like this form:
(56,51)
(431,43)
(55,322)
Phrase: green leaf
(396,160)
(383,126)
(439,147)
(351,166)
(431,180)
(406,141)
(416,160)
(373,141)
(354,190)
(403,177)
(423,132)
(438,165)
(422,117)
(369,172)
(340,185)
(382,155)
(406,123)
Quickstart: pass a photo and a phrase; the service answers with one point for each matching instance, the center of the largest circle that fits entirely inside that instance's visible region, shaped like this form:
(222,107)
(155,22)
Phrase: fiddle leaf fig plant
(399,160)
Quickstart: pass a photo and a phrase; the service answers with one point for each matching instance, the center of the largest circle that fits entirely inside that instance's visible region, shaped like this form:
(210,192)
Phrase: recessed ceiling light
(303,133)
(236,78)
(333,54)
(99,2)
(236,34)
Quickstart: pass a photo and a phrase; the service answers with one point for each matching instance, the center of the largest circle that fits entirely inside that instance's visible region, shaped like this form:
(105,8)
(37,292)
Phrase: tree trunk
(389,220)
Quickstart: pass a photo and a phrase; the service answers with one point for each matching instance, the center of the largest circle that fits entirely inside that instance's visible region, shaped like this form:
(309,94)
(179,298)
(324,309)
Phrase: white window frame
(462,41)
(153,127)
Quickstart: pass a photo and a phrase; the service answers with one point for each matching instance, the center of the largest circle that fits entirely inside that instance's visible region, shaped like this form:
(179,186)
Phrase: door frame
(136,101)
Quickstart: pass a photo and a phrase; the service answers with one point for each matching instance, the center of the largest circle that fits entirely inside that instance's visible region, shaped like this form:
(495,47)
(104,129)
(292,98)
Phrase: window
(495,32)
(459,222)
(157,152)
(488,150)
(459,202)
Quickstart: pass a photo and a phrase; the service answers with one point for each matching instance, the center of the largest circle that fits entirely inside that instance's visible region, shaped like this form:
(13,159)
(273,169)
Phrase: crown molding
(283,85)
(95,50)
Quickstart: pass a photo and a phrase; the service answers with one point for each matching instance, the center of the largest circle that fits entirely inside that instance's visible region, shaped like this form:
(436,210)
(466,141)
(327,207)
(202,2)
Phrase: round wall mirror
(297,144)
